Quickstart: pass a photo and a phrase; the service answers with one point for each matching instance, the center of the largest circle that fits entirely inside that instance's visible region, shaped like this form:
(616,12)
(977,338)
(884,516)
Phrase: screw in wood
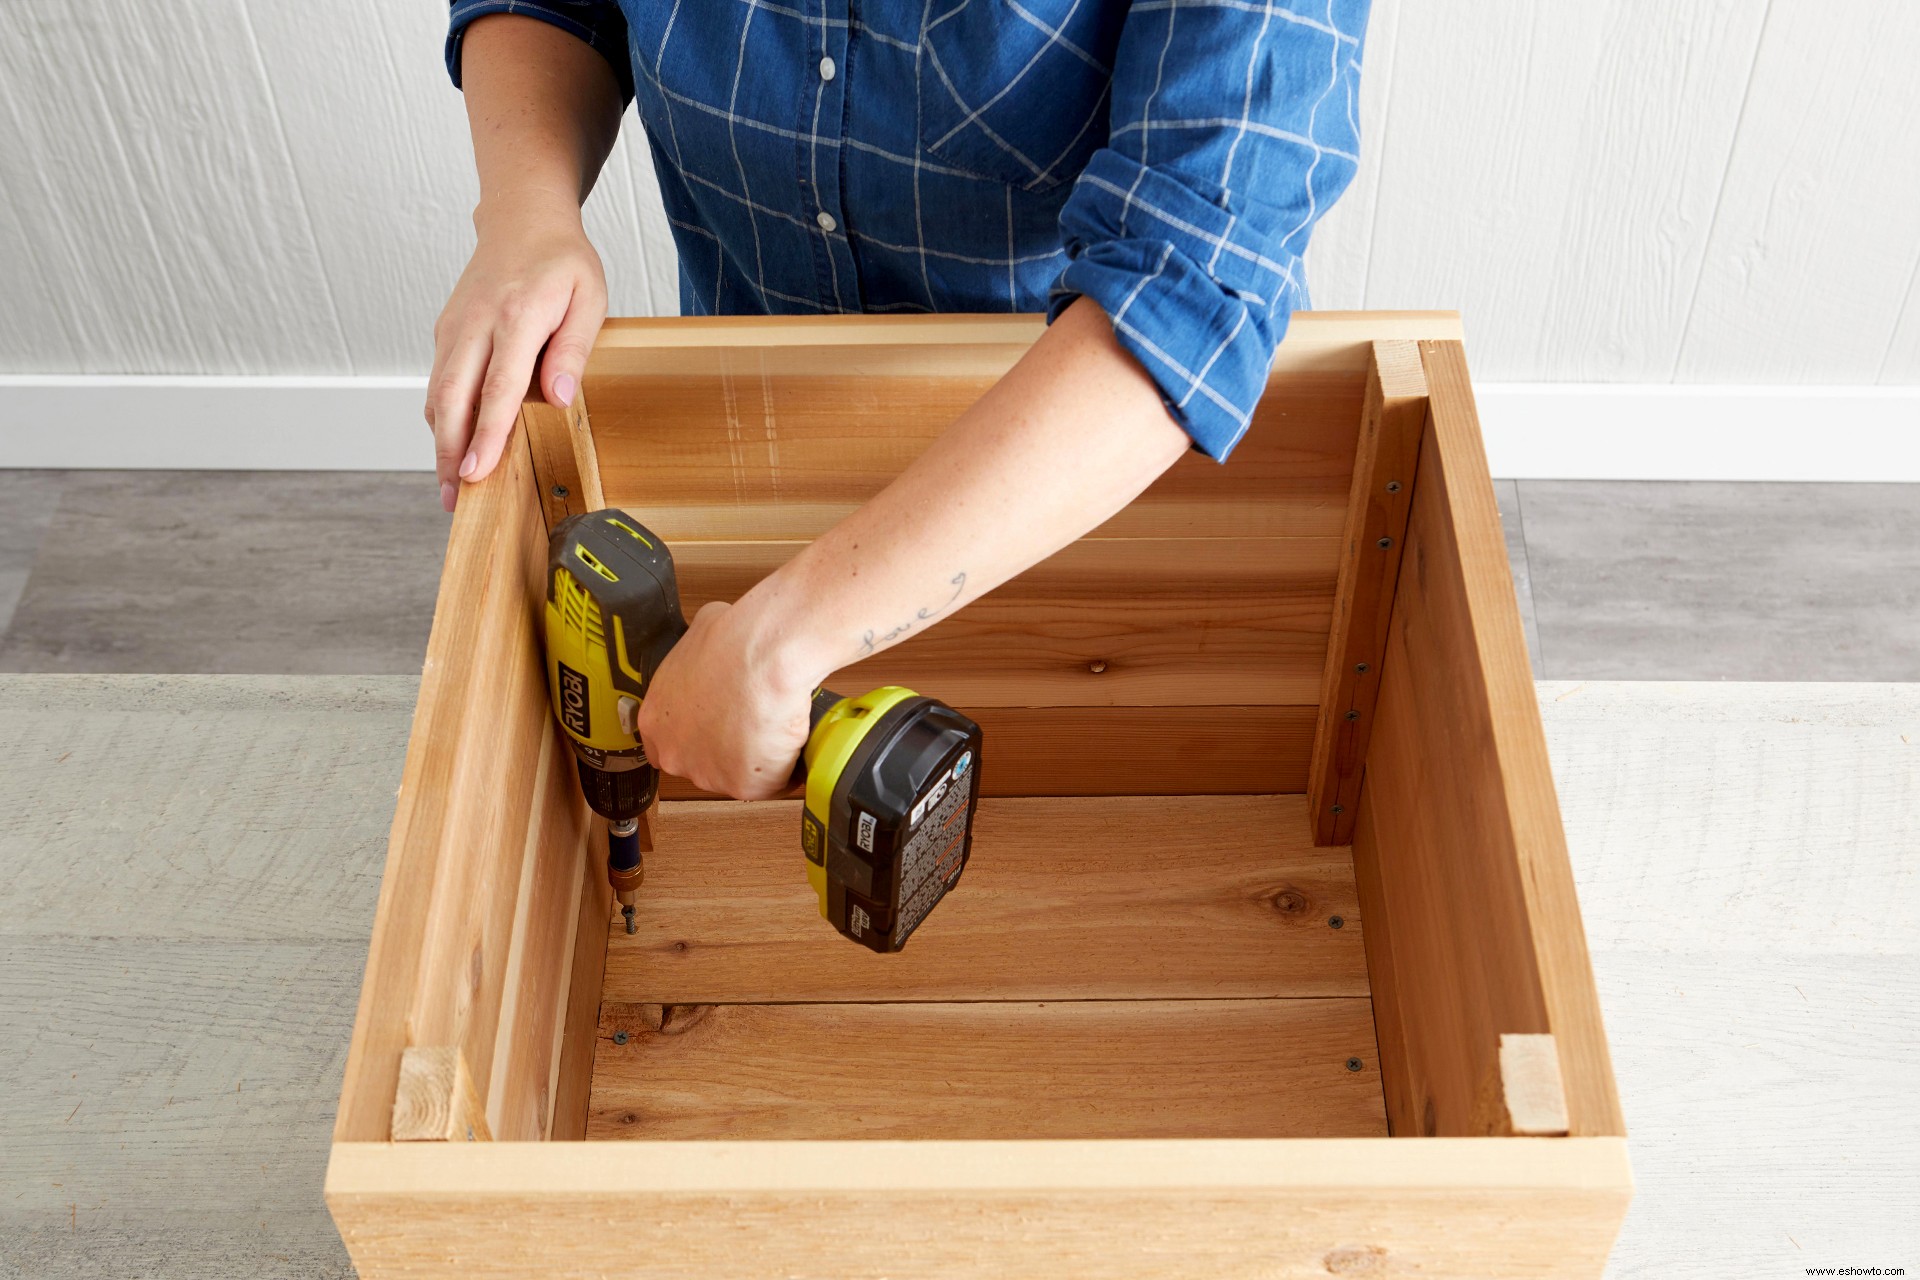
(1385,543)
(1336,922)
(1353,715)
(1354,1064)
(1097,666)
(1339,808)
(559,491)
(470,1133)
(1361,667)
(1393,486)
(619,1037)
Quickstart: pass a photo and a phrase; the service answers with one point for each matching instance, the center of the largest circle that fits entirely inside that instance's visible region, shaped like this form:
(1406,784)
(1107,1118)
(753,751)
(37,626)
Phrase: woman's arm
(544,109)
(1072,434)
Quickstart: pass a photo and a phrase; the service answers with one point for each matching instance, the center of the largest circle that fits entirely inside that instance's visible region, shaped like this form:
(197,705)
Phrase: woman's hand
(719,714)
(534,281)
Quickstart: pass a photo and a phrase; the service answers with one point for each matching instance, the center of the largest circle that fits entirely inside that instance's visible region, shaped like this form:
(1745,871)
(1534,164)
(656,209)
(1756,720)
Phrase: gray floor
(334,573)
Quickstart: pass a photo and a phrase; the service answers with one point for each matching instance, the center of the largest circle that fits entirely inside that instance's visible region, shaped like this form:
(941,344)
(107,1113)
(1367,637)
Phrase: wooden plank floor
(1073,1069)
(1063,899)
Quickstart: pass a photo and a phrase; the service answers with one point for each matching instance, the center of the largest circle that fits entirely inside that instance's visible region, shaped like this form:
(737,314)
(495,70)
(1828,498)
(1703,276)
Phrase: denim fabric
(1166,158)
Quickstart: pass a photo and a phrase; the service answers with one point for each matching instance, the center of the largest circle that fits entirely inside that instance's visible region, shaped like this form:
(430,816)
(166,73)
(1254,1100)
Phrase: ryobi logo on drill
(574,712)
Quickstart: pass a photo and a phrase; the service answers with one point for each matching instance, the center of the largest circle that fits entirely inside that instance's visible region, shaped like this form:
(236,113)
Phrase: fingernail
(563,387)
(446,498)
(468,463)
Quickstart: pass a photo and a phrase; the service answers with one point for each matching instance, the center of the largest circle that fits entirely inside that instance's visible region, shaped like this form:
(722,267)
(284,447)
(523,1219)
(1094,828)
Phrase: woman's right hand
(534,281)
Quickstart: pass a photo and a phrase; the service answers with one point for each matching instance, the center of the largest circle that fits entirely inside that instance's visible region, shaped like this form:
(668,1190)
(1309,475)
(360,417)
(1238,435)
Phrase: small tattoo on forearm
(869,642)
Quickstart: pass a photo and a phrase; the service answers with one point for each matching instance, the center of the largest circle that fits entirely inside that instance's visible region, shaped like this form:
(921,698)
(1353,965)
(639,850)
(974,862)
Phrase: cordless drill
(891,777)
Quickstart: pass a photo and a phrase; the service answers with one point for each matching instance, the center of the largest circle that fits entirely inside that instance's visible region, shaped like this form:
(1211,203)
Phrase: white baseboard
(1571,431)
(1600,431)
(214,424)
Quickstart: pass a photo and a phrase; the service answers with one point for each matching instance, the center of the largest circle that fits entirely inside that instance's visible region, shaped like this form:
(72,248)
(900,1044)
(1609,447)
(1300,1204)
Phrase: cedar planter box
(1268,961)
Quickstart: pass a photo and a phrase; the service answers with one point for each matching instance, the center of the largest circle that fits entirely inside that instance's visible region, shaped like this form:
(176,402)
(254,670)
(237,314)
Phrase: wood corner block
(1522,1094)
(437,1100)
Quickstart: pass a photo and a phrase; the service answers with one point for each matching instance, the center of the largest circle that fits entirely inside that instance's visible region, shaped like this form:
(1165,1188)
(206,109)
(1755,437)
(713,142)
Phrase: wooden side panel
(444,936)
(573,1069)
(1461,862)
(1131,751)
(535,999)
(993,1069)
(1384,472)
(732,428)
(1065,899)
(1447,1209)
(1105,622)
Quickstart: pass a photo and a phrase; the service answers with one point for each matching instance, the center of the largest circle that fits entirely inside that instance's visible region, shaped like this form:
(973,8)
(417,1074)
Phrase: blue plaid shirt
(1166,158)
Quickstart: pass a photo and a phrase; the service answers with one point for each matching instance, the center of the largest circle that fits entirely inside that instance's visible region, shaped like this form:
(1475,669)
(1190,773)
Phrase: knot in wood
(1291,901)
(1369,1260)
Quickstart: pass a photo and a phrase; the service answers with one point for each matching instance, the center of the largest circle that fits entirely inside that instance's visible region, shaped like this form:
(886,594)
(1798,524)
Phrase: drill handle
(824,700)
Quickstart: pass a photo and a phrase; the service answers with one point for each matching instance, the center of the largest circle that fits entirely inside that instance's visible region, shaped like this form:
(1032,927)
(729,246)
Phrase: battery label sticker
(932,857)
(931,798)
(864,837)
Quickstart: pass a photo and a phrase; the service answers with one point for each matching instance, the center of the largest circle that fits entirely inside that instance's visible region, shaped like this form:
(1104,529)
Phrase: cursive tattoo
(870,642)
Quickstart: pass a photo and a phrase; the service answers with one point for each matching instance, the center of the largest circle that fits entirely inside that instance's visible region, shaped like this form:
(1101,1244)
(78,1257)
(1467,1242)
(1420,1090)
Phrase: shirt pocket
(1019,98)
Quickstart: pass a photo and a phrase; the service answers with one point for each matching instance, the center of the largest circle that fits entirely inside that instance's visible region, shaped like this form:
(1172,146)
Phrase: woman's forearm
(544,110)
(1071,435)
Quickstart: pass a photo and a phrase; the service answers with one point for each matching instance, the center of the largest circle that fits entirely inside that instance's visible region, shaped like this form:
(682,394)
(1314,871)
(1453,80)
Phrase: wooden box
(1268,962)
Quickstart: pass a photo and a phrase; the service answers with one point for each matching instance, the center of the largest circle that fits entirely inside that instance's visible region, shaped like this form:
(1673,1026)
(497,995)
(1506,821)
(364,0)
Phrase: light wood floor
(191,867)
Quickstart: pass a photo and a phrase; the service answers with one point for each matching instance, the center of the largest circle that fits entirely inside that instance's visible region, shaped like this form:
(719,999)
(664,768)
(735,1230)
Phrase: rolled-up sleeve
(1233,127)
(598,22)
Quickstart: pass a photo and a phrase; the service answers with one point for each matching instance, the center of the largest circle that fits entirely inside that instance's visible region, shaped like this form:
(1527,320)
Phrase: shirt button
(826,221)
(826,68)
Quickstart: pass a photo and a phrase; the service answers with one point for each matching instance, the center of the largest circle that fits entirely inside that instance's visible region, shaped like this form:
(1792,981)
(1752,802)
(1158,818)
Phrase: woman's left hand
(717,713)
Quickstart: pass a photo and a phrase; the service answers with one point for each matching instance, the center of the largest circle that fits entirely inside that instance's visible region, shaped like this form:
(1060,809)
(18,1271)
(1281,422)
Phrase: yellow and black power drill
(891,777)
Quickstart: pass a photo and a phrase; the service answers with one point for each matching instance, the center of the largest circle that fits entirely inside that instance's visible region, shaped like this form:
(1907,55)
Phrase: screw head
(1393,486)
(1353,715)
(1385,543)
(1354,1064)
(1360,667)
(619,1037)
(1336,922)
(559,491)
(1339,808)
(1097,665)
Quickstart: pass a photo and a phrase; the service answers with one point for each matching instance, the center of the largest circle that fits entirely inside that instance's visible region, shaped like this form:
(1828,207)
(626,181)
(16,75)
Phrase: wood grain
(443,932)
(436,1100)
(1077,1069)
(731,427)
(573,1068)
(1062,899)
(1105,622)
(535,996)
(1465,1209)
(1460,857)
(1523,1095)
(566,466)
(1385,471)
(1139,751)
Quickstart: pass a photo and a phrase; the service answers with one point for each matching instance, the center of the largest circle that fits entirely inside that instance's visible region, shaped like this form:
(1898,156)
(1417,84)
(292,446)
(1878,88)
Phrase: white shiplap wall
(1611,190)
